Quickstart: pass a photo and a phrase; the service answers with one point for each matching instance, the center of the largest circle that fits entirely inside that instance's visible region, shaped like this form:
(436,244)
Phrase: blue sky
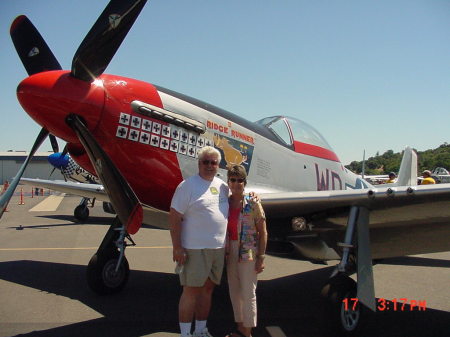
(371,75)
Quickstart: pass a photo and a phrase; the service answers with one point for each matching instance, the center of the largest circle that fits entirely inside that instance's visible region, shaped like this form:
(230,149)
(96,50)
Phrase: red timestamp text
(396,304)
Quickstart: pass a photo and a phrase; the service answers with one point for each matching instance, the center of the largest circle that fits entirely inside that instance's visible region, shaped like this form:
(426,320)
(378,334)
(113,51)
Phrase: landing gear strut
(347,301)
(108,269)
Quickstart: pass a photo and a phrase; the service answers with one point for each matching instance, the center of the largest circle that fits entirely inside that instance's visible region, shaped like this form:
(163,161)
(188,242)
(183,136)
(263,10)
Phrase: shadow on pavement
(416,261)
(149,302)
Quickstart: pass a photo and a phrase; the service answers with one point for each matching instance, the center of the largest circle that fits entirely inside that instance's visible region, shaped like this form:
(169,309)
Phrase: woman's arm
(262,243)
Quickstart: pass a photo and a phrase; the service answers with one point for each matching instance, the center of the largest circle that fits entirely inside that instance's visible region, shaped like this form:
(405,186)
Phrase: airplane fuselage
(154,134)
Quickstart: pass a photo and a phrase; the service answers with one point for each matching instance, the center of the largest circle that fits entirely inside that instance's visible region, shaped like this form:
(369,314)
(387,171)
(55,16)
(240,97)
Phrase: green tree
(390,161)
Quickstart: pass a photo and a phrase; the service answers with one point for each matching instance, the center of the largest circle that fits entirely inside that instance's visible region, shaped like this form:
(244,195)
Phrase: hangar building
(39,167)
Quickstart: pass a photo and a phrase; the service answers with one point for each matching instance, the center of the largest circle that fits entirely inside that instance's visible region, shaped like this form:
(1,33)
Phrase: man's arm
(175,219)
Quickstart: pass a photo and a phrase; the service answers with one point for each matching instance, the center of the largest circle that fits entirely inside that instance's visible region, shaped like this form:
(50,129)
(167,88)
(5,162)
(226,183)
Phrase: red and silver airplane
(73,172)
(141,140)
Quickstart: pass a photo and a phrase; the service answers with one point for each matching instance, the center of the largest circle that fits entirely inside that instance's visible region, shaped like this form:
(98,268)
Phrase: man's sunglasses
(239,180)
(212,162)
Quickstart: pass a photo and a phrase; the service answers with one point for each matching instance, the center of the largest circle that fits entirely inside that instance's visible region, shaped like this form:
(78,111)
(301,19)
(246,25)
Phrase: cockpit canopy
(299,136)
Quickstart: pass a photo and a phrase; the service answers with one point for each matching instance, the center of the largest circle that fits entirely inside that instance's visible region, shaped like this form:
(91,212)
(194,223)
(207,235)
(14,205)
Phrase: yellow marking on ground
(49,204)
(74,248)
(275,331)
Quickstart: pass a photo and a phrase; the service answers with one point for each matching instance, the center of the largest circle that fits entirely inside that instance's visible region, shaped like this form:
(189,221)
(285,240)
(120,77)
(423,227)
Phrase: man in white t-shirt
(198,223)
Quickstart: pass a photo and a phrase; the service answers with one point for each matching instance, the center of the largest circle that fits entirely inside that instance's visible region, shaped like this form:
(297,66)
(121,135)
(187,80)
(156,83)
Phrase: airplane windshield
(278,127)
(290,129)
(305,133)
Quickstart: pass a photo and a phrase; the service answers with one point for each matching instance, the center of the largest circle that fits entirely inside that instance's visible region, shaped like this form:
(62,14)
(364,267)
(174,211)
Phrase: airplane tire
(341,315)
(102,277)
(81,213)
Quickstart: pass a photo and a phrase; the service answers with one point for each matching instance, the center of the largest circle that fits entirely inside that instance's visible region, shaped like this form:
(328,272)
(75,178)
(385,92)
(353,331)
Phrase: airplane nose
(58,160)
(48,97)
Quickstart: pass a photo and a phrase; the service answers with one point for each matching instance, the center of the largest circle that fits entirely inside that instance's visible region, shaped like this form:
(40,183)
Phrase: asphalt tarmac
(43,289)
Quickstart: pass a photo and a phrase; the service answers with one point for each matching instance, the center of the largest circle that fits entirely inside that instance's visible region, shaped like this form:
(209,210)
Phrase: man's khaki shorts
(201,264)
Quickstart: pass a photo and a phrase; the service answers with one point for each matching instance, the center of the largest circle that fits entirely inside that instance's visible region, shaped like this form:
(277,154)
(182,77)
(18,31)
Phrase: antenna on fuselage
(363,164)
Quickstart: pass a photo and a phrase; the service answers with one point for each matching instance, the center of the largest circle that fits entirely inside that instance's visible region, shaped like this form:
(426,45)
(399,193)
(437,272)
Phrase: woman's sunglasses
(239,180)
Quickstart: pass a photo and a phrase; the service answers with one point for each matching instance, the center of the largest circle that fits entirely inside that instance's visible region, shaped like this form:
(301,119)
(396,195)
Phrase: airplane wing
(375,176)
(393,200)
(152,216)
(402,220)
(375,179)
(83,190)
(294,203)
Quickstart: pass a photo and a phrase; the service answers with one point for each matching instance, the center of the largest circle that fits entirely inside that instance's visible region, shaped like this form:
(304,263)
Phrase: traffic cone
(21,197)
(5,186)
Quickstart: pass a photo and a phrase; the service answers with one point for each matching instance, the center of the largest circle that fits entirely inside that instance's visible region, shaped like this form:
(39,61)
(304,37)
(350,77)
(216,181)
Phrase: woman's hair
(237,171)
(209,150)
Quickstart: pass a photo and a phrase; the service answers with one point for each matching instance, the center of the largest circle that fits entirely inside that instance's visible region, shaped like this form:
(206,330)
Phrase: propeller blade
(49,176)
(34,52)
(54,143)
(104,38)
(64,150)
(63,154)
(36,57)
(122,197)
(4,199)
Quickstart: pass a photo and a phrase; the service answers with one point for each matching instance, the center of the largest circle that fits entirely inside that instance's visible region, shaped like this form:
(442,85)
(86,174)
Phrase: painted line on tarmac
(74,248)
(49,204)
(275,331)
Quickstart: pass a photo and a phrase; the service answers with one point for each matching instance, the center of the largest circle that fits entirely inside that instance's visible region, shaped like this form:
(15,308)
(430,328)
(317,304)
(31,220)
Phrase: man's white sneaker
(204,333)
